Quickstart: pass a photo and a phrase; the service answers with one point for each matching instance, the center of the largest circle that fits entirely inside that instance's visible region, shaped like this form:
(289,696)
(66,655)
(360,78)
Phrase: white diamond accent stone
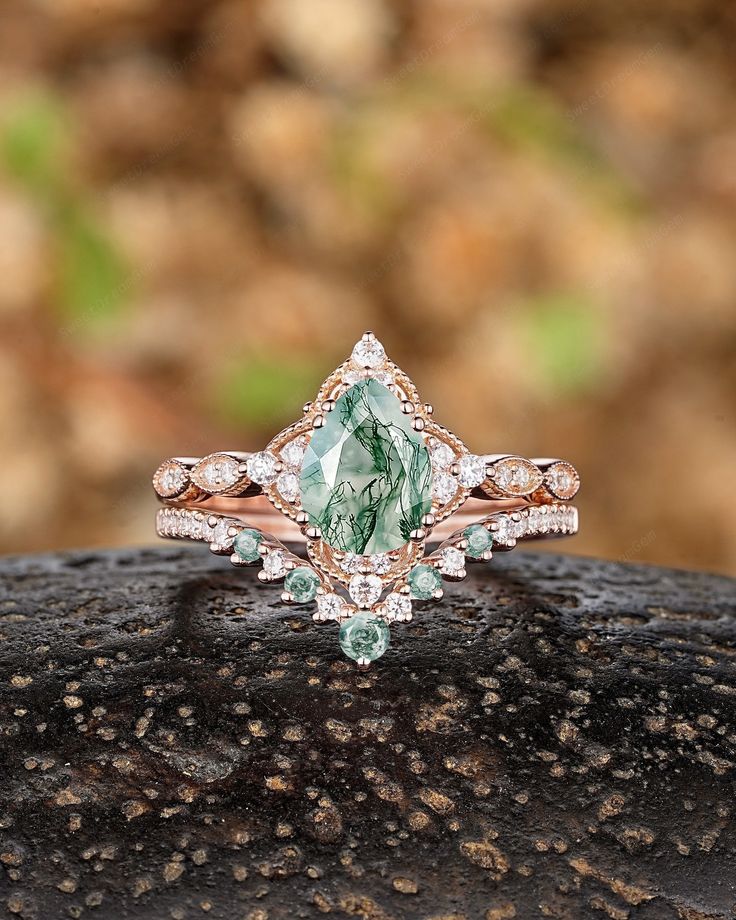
(330,606)
(350,563)
(503,533)
(220,535)
(452,562)
(262,468)
(444,487)
(365,590)
(288,486)
(293,453)
(380,563)
(369,353)
(442,455)
(274,565)
(397,606)
(472,471)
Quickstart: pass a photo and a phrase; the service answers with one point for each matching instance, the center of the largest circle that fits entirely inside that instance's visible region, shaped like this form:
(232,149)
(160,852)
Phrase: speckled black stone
(556,739)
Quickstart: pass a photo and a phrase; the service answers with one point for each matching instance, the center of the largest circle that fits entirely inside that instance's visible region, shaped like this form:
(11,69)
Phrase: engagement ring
(388,502)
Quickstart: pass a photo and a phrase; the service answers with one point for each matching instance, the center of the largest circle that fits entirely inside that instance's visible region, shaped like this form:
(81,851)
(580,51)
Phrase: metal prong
(318,421)
(418,423)
(407,407)
(416,536)
(313,533)
(327,405)
(428,520)
(287,597)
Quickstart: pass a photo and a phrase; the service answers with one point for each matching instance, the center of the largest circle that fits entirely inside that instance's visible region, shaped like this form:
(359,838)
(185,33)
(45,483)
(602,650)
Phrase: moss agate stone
(366,480)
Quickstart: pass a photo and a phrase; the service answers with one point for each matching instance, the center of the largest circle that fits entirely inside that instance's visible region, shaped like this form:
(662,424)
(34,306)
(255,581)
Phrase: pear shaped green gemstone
(366,479)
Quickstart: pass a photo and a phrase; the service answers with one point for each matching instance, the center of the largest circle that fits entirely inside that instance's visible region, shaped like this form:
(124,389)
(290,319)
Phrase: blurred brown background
(532,203)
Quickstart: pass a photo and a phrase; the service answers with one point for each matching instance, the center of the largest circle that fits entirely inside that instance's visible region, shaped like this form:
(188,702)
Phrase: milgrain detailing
(369,481)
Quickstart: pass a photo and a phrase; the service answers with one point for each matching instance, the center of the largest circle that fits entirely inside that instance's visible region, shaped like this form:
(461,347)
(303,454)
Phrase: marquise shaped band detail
(389,503)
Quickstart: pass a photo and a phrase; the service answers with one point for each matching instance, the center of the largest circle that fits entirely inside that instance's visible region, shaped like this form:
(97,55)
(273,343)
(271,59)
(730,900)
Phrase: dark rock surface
(556,739)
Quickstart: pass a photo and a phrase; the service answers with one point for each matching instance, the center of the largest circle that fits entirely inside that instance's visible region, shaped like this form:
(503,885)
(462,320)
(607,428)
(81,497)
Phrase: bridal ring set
(389,503)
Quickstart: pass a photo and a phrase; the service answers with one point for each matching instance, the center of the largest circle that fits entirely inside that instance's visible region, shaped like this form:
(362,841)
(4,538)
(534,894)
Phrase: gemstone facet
(366,478)
(262,468)
(472,471)
(302,584)
(423,581)
(246,545)
(369,353)
(364,637)
(479,540)
(397,606)
(365,589)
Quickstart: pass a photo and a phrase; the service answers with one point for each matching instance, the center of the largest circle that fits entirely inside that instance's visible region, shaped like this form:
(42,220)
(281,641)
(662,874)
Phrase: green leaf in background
(564,337)
(93,279)
(33,136)
(261,392)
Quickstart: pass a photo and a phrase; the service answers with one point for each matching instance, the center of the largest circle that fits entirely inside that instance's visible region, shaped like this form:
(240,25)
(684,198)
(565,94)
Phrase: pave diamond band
(389,503)
(505,528)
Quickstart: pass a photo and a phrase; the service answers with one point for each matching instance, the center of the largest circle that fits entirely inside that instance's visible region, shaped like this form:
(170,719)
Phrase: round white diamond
(365,590)
(442,455)
(330,606)
(288,486)
(518,529)
(351,562)
(293,453)
(452,562)
(369,353)
(274,565)
(220,535)
(503,534)
(380,563)
(472,471)
(398,606)
(262,468)
(444,487)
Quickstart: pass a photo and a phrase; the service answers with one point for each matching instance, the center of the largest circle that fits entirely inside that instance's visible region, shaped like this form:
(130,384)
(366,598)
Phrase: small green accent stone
(364,636)
(302,584)
(423,581)
(246,545)
(366,479)
(479,540)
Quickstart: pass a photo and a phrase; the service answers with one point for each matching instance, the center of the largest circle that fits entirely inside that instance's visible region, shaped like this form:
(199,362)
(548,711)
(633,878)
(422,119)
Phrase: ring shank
(258,512)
